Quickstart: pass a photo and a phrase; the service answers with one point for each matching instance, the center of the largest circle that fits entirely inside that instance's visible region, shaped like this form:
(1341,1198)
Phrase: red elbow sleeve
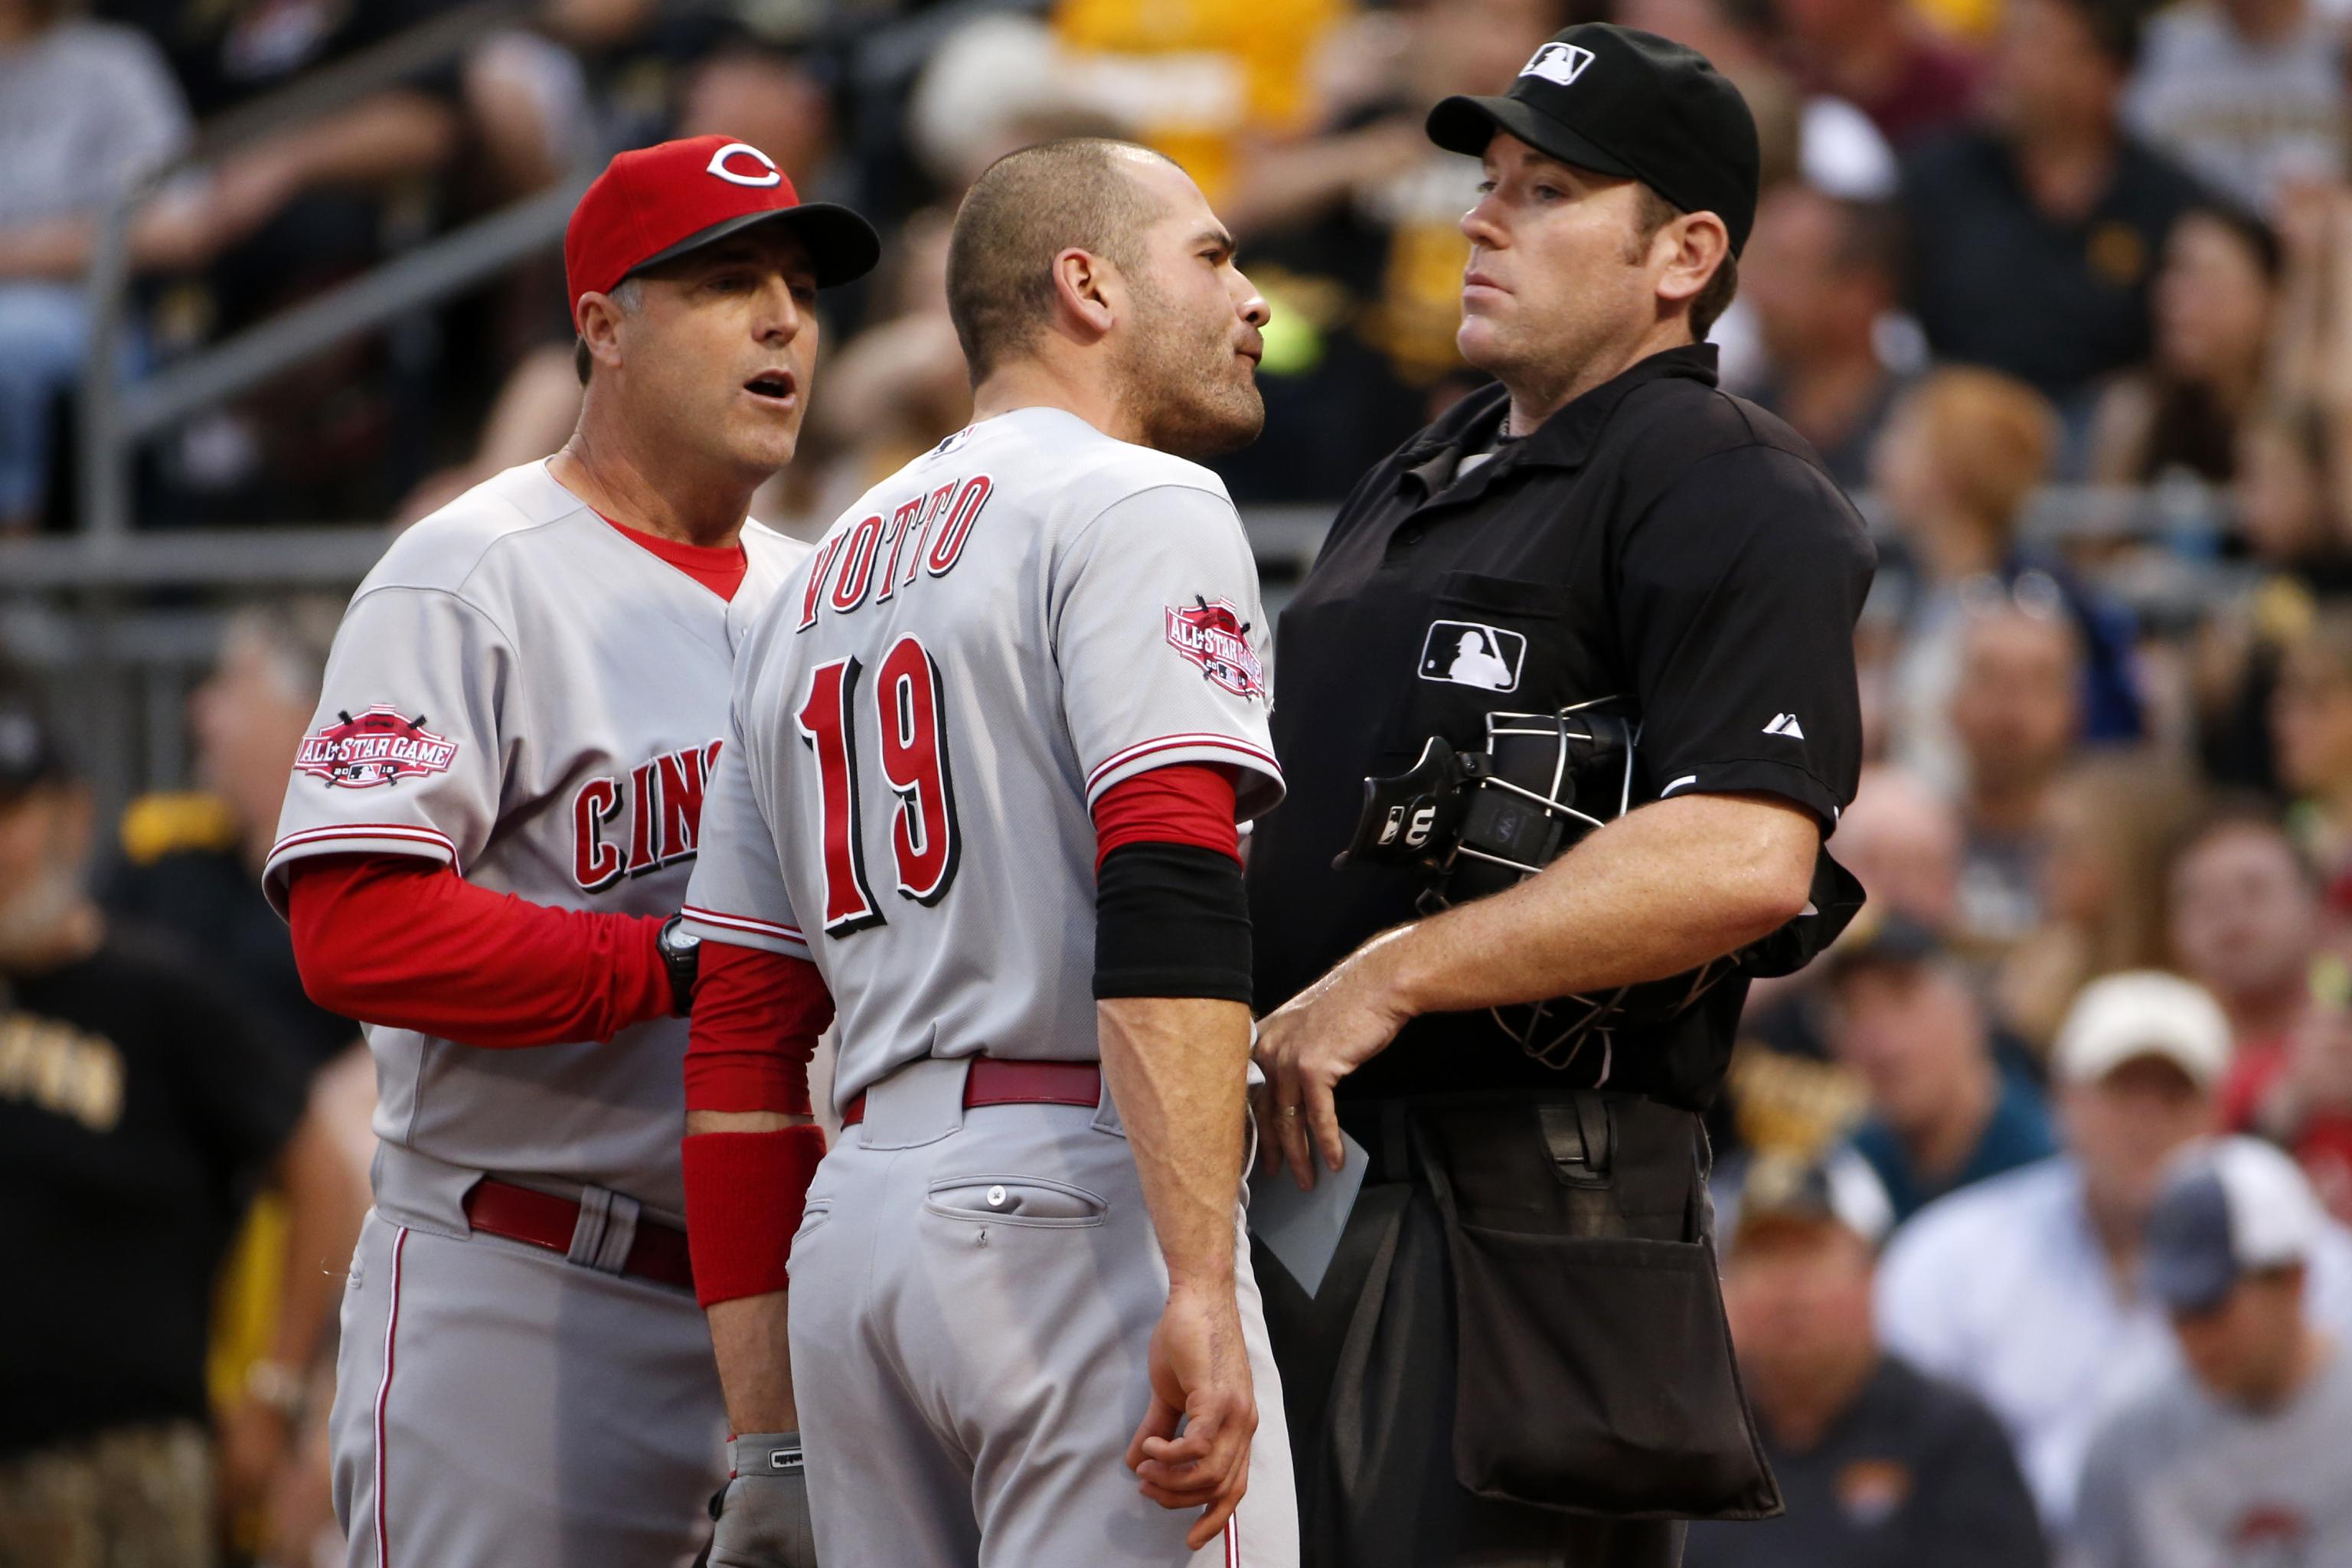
(745,1193)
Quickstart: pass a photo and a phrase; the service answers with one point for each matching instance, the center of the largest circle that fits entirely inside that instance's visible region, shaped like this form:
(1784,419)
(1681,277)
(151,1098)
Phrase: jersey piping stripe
(1142,749)
(373,831)
(743,923)
(384,1393)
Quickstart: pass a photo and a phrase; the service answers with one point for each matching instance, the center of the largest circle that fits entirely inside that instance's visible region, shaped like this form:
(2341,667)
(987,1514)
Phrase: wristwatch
(681,954)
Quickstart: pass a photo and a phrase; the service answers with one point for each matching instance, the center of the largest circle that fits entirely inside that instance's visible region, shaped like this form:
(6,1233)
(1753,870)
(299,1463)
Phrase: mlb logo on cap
(656,204)
(1563,63)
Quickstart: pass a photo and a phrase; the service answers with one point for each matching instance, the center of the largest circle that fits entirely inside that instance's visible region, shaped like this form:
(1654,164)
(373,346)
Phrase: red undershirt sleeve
(1183,802)
(757,1016)
(398,941)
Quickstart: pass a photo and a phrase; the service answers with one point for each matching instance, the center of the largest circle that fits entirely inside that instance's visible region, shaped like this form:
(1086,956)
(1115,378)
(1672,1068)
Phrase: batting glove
(763,1513)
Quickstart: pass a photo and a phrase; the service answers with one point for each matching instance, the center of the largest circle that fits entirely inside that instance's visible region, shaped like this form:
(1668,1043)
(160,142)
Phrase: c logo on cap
(773,176)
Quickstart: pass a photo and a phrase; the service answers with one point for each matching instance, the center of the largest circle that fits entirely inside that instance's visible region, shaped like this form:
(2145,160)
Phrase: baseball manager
(1570,692)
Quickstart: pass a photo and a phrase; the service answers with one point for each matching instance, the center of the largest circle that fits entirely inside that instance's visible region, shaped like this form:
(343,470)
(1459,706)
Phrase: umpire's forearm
(1658,891)
(1177,1069)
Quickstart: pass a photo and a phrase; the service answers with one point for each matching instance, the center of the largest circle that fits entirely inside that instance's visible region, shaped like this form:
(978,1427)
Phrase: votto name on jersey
(661,800)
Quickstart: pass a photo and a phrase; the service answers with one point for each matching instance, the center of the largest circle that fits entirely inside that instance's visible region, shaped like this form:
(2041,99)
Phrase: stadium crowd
(2034,1192)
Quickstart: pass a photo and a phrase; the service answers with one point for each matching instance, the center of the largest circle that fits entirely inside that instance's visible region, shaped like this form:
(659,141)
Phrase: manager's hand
(1310,1043)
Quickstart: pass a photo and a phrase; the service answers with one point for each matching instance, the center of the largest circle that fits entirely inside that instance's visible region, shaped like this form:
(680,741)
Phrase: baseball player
(990,746)
(500,800)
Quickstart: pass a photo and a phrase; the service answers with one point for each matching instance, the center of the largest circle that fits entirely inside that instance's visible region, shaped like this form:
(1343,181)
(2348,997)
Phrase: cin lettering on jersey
(880,555)
(662,800)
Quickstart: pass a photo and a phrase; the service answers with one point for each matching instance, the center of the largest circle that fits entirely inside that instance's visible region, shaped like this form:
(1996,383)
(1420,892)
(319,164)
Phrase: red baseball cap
(659,203)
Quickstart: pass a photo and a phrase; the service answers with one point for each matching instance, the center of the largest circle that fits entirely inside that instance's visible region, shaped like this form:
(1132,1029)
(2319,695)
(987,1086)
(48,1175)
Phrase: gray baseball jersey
(522,693)
(926,714)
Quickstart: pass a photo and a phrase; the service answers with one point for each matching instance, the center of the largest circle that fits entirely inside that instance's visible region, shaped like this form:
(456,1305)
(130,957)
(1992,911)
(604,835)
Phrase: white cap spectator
(2143,1013)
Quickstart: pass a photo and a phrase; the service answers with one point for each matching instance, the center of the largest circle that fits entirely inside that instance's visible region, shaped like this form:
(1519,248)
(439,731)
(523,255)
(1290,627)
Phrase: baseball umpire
(497,804)
(1572,689)
(992,744)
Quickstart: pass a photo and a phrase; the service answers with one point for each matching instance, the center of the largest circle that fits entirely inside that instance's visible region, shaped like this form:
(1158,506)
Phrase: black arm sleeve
(1171,920)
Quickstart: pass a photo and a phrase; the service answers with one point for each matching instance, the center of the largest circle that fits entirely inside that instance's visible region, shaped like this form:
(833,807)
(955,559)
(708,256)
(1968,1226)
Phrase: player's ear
(600,328)
(1085,292)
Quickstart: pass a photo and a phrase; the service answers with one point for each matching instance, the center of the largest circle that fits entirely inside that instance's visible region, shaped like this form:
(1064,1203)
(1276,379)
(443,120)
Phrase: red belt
(542,1219)
(993,1080)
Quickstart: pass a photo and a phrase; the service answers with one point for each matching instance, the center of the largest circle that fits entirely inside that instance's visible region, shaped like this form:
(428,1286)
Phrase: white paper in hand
(1302,1229)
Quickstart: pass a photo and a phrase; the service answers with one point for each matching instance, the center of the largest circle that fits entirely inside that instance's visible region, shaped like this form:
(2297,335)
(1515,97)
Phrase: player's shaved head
(1079,194)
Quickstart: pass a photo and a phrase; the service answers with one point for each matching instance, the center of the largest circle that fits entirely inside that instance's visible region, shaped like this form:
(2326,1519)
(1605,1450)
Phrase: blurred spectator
(1353,234)
(2016,712)
(287,213)
(87,110)
(2305,1106)
(138,1104)
(1944,1112)
(1961,456)
(2033,235)
(2243,916)
(898,387)
(2284,514)
(2311,735)
(2212,301)
(1882,58)
(1877,1463)
(2249,94)
(2110,820)
(2239,1456)
(1821,274)
(2026,1288)
(184,872)
(533,414)
(1205,81)
(1903,841)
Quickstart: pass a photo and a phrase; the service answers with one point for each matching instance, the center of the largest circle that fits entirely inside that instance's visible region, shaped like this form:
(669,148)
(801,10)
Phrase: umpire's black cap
(1619,102)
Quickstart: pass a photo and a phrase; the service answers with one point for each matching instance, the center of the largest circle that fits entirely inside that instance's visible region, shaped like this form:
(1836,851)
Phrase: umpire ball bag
(1595,1371)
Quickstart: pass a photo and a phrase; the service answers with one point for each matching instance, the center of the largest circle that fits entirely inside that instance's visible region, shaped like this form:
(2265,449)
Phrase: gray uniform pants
(496,1406)
(973,1296)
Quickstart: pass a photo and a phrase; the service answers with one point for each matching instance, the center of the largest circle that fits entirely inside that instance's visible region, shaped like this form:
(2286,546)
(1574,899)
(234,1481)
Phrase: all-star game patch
(1212,635)
(380,745)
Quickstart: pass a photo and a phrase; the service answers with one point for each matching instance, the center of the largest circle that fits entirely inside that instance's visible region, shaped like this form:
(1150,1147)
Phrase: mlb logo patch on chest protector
(1468,653)
(1212,635)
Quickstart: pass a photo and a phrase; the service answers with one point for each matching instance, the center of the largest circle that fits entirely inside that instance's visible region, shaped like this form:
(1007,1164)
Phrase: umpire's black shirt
(1658,540)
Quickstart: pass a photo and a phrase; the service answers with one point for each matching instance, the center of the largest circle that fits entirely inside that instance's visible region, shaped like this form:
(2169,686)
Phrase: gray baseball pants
(973,1294)
(498,1407)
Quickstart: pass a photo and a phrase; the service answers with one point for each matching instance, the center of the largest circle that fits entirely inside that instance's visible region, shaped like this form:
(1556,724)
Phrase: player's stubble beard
(1180,379)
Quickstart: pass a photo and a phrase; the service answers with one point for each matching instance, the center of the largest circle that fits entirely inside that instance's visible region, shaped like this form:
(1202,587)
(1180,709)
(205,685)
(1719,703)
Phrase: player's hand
(1306,1047)
(764,1514)
(1200,1372)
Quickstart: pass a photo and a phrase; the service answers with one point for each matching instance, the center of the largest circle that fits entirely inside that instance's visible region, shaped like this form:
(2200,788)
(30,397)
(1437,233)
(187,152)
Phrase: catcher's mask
(1480,822)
